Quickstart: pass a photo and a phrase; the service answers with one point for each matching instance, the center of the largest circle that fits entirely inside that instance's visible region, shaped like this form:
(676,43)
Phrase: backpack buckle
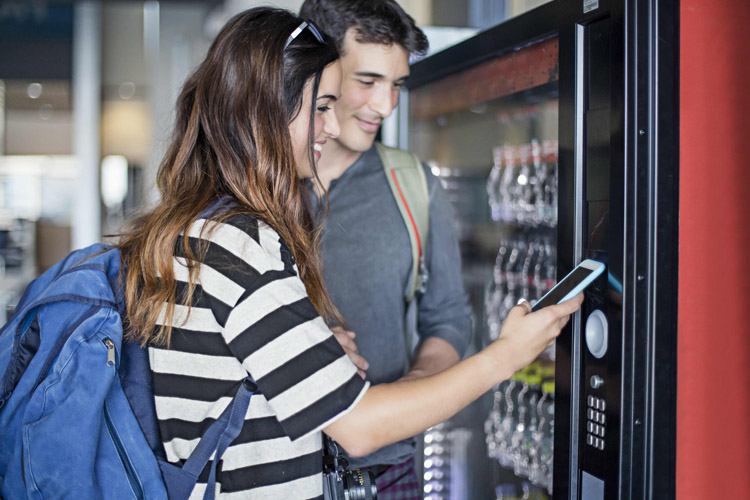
(424,277)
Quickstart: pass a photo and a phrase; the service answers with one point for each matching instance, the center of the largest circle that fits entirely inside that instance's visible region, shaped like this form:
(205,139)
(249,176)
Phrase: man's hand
(346,339)
(433,356)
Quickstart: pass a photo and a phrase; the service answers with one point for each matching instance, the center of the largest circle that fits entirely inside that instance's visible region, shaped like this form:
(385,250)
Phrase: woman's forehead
(330,81)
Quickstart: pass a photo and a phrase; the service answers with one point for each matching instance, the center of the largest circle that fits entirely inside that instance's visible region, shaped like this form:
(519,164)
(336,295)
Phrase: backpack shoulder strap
(408,184)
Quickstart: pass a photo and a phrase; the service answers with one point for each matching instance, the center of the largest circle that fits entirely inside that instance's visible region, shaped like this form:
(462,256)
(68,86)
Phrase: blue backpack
(77,416)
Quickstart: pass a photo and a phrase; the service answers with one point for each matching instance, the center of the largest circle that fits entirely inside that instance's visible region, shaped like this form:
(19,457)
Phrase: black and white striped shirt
(250,314)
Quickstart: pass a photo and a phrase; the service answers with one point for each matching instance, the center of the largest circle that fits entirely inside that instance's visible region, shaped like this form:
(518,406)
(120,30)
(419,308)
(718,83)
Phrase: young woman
(223,277)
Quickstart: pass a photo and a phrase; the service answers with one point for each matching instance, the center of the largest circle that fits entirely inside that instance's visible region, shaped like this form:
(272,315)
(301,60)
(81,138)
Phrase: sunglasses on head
(299,29)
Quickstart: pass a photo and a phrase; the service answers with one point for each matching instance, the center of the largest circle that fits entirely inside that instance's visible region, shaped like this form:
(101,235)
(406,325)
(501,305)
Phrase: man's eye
(366,82)
(398,85)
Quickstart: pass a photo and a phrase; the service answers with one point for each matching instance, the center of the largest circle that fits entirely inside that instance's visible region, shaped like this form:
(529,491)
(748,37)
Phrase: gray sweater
(367,258)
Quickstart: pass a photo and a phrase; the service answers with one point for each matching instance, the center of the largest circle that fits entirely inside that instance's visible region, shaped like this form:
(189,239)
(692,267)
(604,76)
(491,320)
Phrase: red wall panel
(713,398)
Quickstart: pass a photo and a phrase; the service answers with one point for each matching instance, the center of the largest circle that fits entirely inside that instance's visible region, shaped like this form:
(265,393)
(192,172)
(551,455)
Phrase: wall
(713,404)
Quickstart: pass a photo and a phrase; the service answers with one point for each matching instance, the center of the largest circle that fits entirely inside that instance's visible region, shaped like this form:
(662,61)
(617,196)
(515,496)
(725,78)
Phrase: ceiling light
(127,90)
(34,90)
(46,111)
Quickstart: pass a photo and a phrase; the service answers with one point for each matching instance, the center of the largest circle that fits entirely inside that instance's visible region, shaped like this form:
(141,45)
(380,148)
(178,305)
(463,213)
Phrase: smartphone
(574,283)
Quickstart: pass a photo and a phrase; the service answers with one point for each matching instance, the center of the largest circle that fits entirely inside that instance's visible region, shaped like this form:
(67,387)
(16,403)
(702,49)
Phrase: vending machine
(554,135)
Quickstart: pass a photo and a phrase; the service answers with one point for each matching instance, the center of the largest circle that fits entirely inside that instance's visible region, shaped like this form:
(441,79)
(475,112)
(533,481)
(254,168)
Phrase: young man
(366,249)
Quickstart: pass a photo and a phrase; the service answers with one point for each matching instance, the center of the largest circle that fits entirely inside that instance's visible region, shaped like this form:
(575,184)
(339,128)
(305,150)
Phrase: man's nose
(383,100)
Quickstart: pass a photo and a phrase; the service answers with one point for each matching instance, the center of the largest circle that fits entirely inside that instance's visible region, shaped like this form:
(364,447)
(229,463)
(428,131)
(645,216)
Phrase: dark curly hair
(375,21)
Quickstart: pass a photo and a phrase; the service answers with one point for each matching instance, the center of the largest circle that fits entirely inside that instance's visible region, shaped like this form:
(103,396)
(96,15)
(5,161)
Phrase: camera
(339,483)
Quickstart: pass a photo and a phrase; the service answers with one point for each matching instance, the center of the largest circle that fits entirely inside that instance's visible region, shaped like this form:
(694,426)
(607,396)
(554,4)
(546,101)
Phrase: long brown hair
(232,143)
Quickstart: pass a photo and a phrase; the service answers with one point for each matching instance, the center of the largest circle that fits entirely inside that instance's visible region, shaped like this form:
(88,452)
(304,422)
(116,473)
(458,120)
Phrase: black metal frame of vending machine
(618,202)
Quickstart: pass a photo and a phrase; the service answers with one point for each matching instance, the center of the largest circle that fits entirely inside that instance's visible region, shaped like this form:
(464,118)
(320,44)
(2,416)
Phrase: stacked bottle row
(437,462)
(525,267)
(522,185)
(528,491)
(520,427)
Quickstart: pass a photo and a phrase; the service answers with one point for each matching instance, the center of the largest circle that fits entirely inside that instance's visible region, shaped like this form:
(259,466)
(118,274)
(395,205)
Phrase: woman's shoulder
(246,237)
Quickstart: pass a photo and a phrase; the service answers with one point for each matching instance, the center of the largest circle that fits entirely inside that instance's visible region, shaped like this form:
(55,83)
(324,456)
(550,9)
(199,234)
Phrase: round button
(596,333)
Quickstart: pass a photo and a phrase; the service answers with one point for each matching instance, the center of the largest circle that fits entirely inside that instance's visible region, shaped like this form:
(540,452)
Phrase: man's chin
(359,144)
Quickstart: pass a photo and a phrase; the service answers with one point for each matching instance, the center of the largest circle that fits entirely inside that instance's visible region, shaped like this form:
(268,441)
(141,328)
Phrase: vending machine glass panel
(490,134)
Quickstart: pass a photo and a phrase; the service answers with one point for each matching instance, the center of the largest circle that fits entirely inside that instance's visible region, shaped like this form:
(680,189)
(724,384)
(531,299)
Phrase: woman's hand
(346,339)
(526,334)
(390,412)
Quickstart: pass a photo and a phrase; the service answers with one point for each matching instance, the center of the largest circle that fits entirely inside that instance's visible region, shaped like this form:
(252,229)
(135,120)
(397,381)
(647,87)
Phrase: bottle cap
(548,371)
(534,379)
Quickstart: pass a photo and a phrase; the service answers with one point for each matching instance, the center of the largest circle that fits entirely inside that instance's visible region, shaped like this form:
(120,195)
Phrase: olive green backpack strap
(408,184)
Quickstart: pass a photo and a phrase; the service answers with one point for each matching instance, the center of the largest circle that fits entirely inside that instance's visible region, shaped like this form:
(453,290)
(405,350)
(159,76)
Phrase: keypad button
(601,431)
(603,405)
(592,401)
(590,426)
(590,439)
(600,444)
(602,418)
(591,414)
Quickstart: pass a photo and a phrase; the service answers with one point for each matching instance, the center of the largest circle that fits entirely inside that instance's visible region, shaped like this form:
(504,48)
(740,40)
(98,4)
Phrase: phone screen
(563,288)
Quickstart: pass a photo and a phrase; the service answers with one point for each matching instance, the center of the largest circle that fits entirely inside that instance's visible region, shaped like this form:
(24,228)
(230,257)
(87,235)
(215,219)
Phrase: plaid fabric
(399,482)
